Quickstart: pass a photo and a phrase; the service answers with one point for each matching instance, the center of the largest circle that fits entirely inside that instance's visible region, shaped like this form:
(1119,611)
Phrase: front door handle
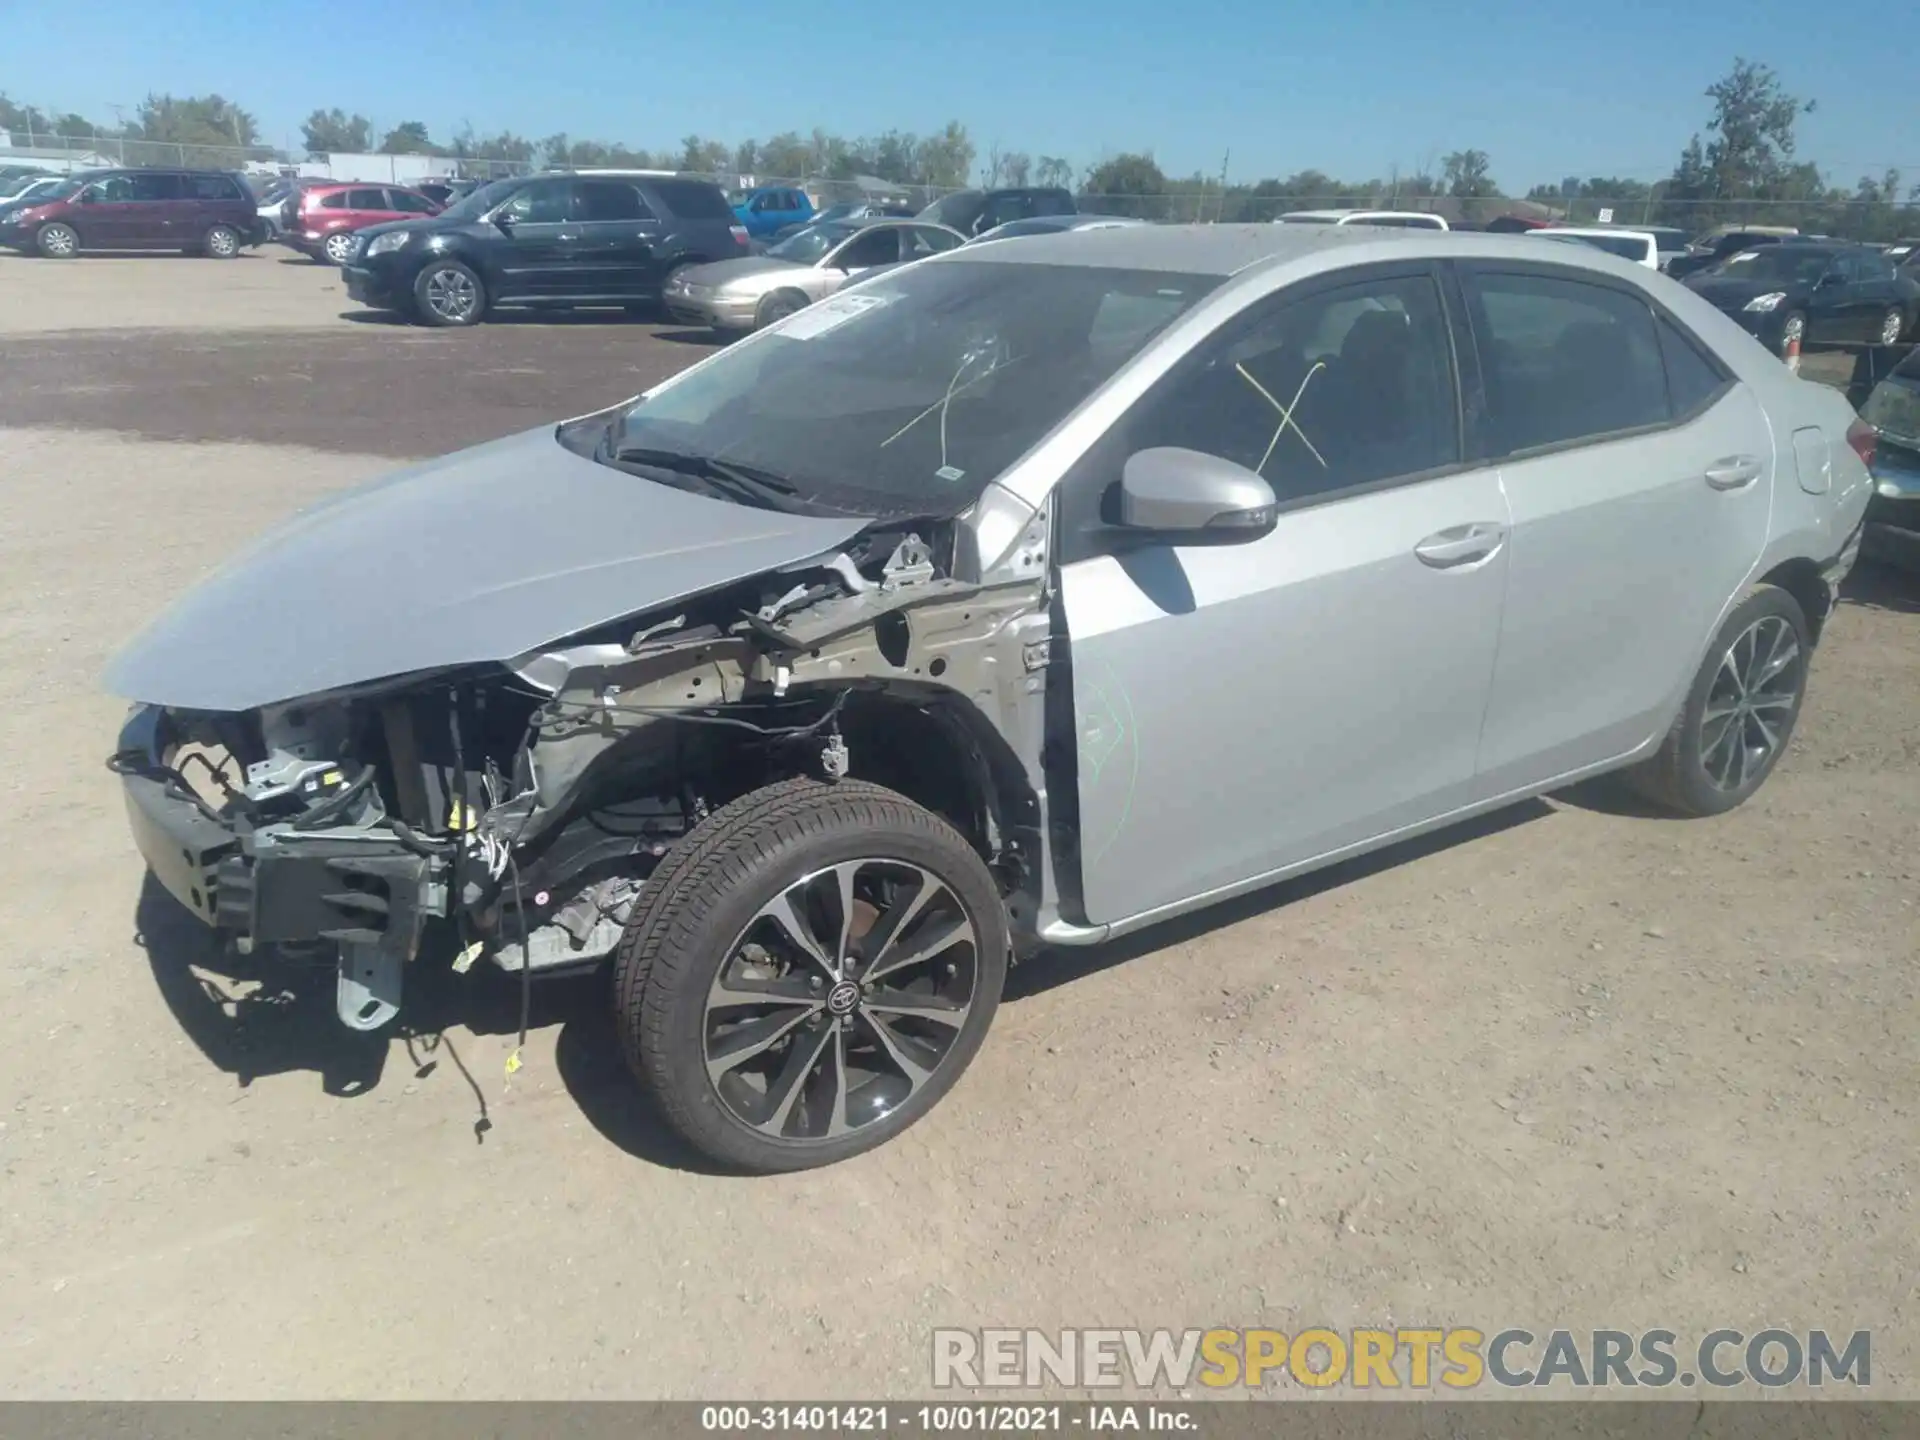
(1461,544)
(1733,473)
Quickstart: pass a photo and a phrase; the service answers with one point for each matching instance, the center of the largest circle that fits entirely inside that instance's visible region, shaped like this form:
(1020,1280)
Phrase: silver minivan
(1024,596)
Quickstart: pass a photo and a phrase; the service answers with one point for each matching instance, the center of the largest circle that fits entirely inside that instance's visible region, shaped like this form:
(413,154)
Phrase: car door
(1834,307)
(1639,473)
(160,214)
(917,241)
(537,256)
(1245,709)
(617,256)
(875,245)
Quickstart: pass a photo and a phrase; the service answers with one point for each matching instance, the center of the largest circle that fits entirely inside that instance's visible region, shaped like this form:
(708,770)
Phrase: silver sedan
(748,294)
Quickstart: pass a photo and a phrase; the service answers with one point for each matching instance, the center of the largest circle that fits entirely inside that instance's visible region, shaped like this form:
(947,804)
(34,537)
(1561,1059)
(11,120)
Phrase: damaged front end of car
(522,803)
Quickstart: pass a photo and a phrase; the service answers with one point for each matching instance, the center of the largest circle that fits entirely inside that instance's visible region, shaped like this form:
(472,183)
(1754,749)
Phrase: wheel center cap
(843,997)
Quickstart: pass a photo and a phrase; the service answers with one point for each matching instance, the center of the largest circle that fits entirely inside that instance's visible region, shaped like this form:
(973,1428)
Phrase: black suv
(600,238)
(974,212)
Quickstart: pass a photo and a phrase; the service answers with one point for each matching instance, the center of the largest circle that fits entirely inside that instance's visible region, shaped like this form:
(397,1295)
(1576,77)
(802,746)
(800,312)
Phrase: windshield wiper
(733,481)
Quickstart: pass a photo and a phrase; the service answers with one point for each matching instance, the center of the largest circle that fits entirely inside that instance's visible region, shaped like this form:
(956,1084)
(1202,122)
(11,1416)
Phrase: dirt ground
(1571,1066)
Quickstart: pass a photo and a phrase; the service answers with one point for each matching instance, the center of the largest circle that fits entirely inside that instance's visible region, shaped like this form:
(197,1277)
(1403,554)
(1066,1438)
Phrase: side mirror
(503,222)
(1828,280)
(1189,492)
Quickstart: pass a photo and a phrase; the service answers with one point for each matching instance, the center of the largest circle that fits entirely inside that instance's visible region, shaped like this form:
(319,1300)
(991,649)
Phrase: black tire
(439,281)
(696,915)
(1678,776)
(221,242)
(1787,328)
(56,241)
(777,306)
(326,254)
(1893,323)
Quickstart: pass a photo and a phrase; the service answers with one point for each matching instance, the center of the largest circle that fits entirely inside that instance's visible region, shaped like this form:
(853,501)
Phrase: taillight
(739,234)
(1864,440)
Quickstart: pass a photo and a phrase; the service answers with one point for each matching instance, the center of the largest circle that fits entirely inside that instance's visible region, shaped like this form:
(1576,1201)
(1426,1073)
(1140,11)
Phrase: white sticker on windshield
(830,315)
(949,474)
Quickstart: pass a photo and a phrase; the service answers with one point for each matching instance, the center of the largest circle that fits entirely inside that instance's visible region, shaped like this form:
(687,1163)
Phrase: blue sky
(1546,87)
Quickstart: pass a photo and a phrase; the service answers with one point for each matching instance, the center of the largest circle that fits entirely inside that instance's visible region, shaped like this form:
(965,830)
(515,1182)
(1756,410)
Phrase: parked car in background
(30,189)
(1514,224)
(545,240)
(199,212)
(851,210)
(324,221)
(735,296)
(1709,249)
(1893,515)
(772,208)
(814,688)
(1905,254)
(1638,246)
(1053,225)
(1799,290)
(10,173)
(974,212)
(445,192)
(1389,219)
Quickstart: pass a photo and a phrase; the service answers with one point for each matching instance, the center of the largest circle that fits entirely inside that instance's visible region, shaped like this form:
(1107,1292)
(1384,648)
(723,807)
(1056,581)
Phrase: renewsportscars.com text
(1449,1359)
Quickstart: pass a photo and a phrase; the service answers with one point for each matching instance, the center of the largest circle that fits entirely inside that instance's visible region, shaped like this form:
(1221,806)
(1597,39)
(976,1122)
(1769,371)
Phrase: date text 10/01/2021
(943,1419)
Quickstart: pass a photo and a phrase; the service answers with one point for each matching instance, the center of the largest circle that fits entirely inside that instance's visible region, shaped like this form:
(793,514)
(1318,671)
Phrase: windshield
(908,394)
(1776,263)
(480,201)
(45,191)
(1625,246)
(843,211)
(1306,219)
(803,247)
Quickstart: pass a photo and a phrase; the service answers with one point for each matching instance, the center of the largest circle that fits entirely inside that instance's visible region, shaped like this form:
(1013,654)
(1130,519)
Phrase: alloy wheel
(222,243)
(1891,326)
(58,241)
(1750,703)
(452,295)
(339,248)
(1794,330)
(843,997)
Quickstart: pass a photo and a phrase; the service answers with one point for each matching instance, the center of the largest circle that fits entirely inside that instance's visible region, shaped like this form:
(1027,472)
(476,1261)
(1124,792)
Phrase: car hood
(750,272)
(480,556)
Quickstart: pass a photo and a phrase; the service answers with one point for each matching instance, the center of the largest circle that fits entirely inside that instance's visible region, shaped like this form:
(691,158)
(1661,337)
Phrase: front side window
(408,203)
(910,394)
(874,247)
(1318,394)
(925,240)
(805,247)
(545,202)
(1565,360)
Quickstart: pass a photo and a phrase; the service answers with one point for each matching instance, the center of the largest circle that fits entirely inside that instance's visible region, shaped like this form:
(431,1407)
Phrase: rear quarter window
(212,187)
(692,199)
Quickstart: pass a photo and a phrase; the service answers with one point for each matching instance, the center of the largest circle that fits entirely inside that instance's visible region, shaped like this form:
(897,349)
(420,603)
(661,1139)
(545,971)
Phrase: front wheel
(808,973)
(1891,326)
(337,248)
(448,293)
(57,241)
(776,307)
(1739,713)
(1793,331)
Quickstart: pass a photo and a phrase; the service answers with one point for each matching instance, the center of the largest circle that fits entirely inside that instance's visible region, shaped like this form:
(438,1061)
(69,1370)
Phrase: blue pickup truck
(771,208)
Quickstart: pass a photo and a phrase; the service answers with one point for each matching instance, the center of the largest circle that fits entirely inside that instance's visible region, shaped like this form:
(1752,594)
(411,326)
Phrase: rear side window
(692,199)
(335,201)
(212,187)
(366,199)
(154,185)
(607,200)
(1565,361)
(1693,381)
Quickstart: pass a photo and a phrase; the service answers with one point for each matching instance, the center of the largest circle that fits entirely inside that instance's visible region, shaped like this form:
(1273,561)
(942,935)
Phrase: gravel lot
(1571,1066)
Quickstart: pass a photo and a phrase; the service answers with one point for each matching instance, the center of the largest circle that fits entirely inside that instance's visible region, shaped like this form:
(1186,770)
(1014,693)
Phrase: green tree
(409,137)
(1053,170)
(945,159)
(1130,184)
(205,120)
(327,131)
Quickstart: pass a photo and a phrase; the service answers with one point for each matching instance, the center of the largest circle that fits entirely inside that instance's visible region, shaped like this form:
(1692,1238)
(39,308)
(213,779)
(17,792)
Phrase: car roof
(1225,250)
(1628,230)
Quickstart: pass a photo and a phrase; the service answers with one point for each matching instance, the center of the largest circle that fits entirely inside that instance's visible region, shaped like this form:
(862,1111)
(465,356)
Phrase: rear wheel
(337,248)
(1739,713)
(809,972)
(1891,326)
(57,241)
(222,242)
(448,293)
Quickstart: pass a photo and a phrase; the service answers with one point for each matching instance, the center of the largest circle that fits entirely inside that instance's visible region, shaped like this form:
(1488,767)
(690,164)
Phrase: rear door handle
(1461,544)
(1733,473)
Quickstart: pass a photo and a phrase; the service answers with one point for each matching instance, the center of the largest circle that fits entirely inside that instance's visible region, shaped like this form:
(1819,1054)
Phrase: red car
(320,220)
